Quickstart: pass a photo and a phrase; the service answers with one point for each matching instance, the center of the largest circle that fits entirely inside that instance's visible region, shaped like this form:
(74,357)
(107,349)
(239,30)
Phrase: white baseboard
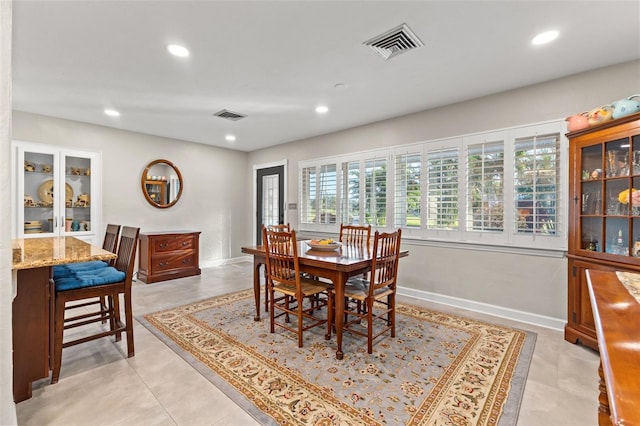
(221,262)
(485,308)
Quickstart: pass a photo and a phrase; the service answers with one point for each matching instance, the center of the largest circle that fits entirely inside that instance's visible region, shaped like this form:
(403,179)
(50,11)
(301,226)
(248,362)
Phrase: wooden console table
(32,324)
(617,314)
(168,255)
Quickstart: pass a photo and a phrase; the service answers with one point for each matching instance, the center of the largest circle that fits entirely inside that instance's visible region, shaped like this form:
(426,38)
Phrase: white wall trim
(485,308)
(229,261)
(257,167)
(471,305)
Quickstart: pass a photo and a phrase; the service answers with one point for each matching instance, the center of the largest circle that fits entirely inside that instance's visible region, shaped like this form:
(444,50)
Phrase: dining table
(336,265)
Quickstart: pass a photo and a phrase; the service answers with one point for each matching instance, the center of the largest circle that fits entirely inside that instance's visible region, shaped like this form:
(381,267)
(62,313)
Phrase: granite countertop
(39,252)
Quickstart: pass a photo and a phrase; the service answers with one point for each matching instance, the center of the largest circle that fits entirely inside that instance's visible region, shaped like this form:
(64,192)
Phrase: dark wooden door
(270,200)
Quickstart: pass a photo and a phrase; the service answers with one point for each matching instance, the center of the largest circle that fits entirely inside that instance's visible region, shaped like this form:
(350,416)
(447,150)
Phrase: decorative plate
(327,247)
(45,192)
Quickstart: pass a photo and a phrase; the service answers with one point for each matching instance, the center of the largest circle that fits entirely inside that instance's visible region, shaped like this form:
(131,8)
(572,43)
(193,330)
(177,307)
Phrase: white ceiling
(275,61)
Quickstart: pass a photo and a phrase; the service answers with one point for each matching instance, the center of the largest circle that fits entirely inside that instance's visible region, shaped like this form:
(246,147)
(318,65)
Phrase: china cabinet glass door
(38,189)
(56,191)
(77,192)
(610,197)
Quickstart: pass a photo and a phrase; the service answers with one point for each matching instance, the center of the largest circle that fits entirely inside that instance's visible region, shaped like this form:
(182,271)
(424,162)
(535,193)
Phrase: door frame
(257,167)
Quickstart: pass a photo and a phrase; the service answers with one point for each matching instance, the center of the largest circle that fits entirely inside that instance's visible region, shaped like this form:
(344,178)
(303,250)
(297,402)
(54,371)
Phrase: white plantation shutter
(407,194)
(536,177)
(328,194)
(442,189)
(307,195)
(485,187)
(350,184)
(375,203)
(506,187)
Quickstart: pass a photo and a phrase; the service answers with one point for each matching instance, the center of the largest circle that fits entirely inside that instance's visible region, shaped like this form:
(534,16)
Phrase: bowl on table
(325,245)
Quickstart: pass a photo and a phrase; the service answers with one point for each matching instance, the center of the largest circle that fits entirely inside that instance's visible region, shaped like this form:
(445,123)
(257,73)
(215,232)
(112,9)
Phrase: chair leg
(300,322)
(103,305)
(392,314)
(58,326)
(369,306)
(287,300)
(266,290)
(128,313)
(271,313)
(114,307)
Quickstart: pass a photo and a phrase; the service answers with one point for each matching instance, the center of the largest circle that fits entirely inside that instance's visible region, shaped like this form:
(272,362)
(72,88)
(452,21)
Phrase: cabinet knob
(163,245)
(164,263)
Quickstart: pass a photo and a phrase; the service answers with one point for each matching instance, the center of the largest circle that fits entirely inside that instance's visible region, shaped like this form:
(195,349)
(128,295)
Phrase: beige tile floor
(99,386)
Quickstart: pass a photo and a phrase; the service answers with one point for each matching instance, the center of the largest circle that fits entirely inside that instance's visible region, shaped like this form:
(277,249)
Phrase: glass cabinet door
(56,192)
(77,193)
(38,190)
(610,197)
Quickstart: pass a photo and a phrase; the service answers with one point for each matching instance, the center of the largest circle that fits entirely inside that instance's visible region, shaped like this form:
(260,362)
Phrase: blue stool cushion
(90,278)
(70,269)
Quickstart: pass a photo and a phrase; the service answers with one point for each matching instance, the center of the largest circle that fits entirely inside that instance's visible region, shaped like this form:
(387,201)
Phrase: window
(350,192)
(536,183)
(408,168)
(375,192)
(328,194)
(499,188)
(308,195)
(485,187)
(442,189)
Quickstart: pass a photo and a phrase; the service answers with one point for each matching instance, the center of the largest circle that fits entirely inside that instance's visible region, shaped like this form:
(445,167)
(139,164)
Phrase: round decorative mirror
(161,184)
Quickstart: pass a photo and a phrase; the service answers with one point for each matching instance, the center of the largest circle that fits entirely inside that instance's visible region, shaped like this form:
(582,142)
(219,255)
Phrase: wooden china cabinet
(604,217)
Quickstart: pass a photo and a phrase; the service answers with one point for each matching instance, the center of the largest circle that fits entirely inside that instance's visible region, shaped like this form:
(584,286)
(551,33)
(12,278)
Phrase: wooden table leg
(338,286)
(257,262)
(604,412)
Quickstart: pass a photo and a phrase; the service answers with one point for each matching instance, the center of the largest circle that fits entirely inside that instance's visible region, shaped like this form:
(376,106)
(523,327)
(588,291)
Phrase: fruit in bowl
(323,242)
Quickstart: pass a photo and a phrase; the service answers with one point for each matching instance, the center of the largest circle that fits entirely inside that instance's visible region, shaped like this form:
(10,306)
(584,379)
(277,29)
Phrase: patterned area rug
(439,370)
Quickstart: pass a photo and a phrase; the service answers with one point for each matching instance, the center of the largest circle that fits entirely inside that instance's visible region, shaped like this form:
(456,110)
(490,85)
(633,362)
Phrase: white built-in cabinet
(56,192)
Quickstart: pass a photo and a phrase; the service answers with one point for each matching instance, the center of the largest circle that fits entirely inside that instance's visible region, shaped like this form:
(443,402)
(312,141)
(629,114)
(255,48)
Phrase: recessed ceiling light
(322,109)
(230,138)
(112,112)
(545,37)
(177,50)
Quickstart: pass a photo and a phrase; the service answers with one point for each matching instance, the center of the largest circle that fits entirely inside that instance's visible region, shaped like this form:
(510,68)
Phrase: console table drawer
(172,261)
(179,242)
(168,255)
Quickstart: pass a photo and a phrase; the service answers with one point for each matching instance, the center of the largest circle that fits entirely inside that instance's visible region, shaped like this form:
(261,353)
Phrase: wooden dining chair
(109,243)
(278,227)
(355,234)
(376,294)
(284,279)
(108,282)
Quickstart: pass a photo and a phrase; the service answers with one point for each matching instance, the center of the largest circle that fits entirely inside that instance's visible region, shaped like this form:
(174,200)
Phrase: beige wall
(533,286)
(214,180)
(7,407)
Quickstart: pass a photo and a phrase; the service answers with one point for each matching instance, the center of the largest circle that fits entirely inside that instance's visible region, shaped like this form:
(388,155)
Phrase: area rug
(440,369)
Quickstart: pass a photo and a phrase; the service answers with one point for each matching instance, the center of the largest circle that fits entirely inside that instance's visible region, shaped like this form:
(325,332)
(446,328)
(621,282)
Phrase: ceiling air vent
(394,42)
(229,115)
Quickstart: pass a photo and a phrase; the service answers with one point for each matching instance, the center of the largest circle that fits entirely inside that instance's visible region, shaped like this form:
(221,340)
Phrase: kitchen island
(32,325)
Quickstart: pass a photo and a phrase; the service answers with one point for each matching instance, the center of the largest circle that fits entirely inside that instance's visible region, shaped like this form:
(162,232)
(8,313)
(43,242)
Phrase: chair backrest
(384,268)
(110,242)
(281,257)
(279,227)
(127,251)
(355,235)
